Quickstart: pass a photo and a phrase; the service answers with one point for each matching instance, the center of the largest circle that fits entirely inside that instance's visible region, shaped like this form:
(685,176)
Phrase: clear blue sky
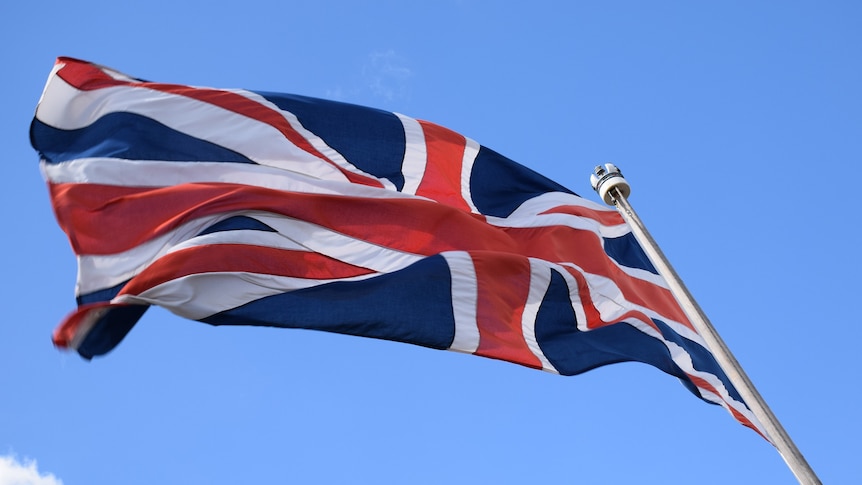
(739,125)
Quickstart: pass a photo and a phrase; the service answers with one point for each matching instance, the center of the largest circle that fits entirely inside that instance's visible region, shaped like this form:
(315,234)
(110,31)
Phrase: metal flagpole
(614,190)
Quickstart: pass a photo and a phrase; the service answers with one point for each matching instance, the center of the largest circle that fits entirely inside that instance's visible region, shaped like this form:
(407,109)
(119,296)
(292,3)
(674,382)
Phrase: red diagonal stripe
(584,248)
(133,215)
(503,286)
(442,179)
(606,218)
(703,384)
(213,258)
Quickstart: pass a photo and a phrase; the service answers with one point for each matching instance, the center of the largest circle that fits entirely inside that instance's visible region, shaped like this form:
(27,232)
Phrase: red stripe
(84,75)
(703,384)
(503,286)
(445,154)
(87,77)
(592,314)
(605,218)
(133,215)
(216,258)
(584,248)
(66,332)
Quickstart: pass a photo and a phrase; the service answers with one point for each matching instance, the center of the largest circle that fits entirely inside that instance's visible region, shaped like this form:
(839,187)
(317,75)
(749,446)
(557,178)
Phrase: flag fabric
(234,207)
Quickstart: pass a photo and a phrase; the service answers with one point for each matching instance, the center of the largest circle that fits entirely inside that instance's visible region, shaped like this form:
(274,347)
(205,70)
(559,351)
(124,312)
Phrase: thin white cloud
(383,75)
(336,94)
(13,472)
(387,75)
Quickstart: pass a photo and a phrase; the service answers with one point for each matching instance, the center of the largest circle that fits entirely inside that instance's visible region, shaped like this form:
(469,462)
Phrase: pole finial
(607,177)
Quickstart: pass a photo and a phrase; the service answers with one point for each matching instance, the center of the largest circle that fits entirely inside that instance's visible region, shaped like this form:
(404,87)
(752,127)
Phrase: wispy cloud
(387,74)
(13,472)
(384,75)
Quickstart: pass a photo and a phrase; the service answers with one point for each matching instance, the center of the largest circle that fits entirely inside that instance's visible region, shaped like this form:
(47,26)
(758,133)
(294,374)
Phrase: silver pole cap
(606,177)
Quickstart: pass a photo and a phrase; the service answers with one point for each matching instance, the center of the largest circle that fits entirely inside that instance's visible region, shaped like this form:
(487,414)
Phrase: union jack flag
(235,207)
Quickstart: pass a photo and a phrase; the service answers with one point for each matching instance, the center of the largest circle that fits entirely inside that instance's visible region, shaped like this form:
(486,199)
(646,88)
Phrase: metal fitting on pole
(606,178)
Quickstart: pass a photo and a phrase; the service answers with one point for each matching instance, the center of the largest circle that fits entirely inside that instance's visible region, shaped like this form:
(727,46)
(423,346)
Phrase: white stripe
(138,173)
(249,237)
(68,108)
(471,150)
(531,214)
(642,274)
(200,295)
(325,241)
(608,298)
(96,272)
(465,293)
(551,200)
(540,280)
(48,82)
(415,154)
(574,295)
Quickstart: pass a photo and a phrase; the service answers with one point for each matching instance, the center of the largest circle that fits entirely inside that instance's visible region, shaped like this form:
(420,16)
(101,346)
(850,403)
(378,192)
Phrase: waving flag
(235,207)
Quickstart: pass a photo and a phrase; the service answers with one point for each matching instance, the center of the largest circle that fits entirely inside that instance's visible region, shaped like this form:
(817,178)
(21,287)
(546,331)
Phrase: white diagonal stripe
(540,280)
(465,293)
(260,142)
(200,295)
(415,154)
(471,150)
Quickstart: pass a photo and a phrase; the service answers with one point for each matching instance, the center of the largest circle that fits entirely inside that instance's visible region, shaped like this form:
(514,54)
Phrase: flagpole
(614,190)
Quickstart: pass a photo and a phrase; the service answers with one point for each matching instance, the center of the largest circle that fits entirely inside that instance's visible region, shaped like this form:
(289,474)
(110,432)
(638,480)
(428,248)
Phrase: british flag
(235,207)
